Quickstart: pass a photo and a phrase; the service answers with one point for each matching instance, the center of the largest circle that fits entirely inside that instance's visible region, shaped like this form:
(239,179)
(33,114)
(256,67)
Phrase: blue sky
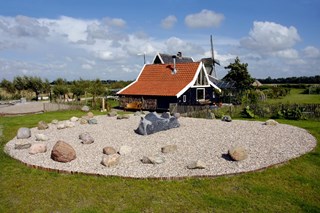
(92,39)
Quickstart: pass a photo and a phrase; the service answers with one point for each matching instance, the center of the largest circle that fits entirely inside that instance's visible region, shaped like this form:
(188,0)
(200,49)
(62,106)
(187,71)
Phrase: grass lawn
(297,97)
(292,187)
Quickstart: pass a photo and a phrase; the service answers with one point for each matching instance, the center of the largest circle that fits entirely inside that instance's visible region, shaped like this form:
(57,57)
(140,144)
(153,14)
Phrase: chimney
(174,71)
(179,54)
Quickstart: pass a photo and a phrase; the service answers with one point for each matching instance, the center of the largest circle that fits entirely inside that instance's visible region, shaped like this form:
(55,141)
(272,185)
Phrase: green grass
(292,187)
(296,97)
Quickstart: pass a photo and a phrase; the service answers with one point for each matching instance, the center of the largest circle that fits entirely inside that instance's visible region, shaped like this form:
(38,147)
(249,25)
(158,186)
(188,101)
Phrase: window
(184,97)
(200,94)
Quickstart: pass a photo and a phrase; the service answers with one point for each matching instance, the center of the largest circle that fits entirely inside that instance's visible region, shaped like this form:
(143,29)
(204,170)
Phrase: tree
(60,88)
(96,88)
(20,83)
(239,74)
(79,87)
(36,85)
(8,86)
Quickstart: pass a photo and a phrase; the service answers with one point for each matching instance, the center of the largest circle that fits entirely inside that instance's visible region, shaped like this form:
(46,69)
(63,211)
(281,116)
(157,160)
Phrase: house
(162,58)
(159,84)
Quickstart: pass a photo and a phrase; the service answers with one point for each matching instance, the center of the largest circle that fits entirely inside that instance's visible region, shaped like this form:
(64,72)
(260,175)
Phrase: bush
(247,113)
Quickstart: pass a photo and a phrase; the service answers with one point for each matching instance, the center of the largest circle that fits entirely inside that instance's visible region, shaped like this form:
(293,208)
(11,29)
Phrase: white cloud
(204,19)
(311,52)
(114,22)
(288,53)
(86,66)
(268,37)
(169,22)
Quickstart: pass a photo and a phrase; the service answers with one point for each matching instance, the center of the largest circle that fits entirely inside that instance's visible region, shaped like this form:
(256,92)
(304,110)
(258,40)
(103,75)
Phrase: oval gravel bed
(196,139)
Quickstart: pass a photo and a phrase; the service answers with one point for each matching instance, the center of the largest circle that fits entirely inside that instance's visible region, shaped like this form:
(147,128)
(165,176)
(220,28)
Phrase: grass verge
(292,187)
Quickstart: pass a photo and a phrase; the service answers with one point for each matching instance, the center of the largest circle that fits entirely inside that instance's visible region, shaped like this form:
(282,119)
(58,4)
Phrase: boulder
(226,118)
(37,148)
(69,124)
(86,138)
(83,121)
(90,115)
(63,152)
(238,153)
(271,122)
(197,165)
(74,119)
(125,150)
(42,125)
(109,150)
(153,123)
(22,145)
(112,114)
(153,159)
(110,160)
(92,121)
(23,133)
(169,148)
(41,137)
(85,109)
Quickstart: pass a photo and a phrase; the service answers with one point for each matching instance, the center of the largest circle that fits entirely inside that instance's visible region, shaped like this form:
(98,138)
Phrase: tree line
(292,80)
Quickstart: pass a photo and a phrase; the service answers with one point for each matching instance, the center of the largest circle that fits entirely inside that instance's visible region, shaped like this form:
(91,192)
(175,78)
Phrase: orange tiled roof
(156,79)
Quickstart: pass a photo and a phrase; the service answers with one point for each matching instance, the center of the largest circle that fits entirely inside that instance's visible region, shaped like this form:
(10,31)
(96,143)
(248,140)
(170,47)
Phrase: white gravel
(196,139)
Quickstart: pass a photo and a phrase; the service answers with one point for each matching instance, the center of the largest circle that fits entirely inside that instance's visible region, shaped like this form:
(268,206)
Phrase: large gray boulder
(23,133)
(153,123)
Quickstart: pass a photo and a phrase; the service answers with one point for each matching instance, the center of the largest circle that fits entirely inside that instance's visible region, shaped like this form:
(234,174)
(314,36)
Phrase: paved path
(22,108)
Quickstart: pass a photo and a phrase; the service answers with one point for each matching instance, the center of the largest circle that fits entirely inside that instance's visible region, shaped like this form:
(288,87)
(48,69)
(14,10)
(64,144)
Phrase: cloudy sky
(92,39)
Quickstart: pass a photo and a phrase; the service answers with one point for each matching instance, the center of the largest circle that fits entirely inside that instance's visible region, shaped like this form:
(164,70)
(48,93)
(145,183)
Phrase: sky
(92,39)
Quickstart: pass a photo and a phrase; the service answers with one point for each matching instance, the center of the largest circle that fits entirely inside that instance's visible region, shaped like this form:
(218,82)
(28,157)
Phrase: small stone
(177,115)
(125,150)
(41,137)
(69,124)
(86,138)
(169,148)
(226,118)
(55,121)
(74,119)
(23,133)
(238,153)
(137,113)
(152,159)
(109,150)
(63,152)
(83,121)
(22,145)
(37,148)
(85,109)
(92,121)
(123,116)
(110,160)
(42,125)
(112,114)
(271,122)
(90,115)
(61,125)
(197,165)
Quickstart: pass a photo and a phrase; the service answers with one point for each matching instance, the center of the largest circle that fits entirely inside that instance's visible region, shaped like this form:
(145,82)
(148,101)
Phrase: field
(292,187)
(297,97)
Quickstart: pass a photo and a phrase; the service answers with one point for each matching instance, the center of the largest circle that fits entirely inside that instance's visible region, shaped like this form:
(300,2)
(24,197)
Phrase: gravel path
(196,139)
(22,108)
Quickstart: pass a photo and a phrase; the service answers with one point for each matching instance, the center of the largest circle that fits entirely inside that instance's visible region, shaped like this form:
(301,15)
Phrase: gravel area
(196,139)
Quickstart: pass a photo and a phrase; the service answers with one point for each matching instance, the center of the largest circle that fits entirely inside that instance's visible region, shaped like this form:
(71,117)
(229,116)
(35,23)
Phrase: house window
(184,98)
(200,94)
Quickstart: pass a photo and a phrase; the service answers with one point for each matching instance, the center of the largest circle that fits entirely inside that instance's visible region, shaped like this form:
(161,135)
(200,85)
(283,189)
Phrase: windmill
(214,61)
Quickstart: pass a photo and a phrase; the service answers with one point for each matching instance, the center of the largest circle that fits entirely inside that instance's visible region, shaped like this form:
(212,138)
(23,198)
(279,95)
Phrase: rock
(37,148)
(92,121)
(153,123)
(61,125)
(137,113)
(271,122)
(125,150)
(165,115)
(69,124)
(123,116)
(226,118)
(90,115)
(42,125)
(110,160)
(109,150)
(177,115)
(83,121)
(55,121)
(112,114)
(74,119)
(85,109)
(238,153)
(22,145)
(153,159)
(23,133)
(169,148)
(63,152)
(41,137)
(197,165)
(86,138)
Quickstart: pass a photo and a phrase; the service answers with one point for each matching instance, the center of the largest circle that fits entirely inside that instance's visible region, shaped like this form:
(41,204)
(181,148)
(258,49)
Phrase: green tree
(20,83)
(60,89)
(8,86)
(79,88)
(96,88)
(35,84)
(239,74)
